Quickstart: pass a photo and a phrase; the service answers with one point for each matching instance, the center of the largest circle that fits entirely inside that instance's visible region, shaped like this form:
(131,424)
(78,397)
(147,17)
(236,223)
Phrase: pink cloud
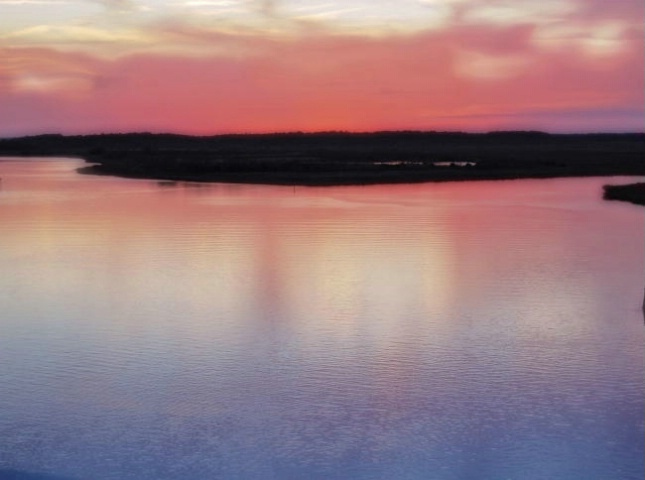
(468,78)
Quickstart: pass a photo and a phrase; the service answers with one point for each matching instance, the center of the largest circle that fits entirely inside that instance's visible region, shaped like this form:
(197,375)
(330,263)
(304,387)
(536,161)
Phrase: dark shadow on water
(22,475)
(166,183)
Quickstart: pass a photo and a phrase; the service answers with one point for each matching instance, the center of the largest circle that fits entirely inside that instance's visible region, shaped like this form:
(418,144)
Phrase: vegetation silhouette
(336,158)
(634,193)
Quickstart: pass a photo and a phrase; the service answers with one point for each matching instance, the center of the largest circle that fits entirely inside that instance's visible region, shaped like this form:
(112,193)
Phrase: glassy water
(455,331)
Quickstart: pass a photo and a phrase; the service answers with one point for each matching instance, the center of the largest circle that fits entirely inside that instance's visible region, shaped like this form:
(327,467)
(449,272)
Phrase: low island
(634,193)
(340,158)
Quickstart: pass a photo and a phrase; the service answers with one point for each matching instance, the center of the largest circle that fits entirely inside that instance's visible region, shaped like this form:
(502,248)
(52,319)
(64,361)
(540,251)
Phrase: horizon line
(326,132)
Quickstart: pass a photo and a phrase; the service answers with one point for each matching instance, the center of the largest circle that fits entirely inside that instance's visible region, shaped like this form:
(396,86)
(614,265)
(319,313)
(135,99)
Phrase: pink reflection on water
(479,316)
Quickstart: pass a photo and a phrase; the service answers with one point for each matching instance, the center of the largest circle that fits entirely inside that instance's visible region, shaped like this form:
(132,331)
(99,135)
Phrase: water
(476,330)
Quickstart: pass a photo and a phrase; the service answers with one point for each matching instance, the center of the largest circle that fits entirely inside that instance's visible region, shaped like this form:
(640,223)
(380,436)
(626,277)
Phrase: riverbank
(349,177)
(335,158)
(633,193)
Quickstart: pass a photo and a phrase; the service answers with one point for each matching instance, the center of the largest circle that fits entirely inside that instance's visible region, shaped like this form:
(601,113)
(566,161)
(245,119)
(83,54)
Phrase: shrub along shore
(634,193)
(338,158)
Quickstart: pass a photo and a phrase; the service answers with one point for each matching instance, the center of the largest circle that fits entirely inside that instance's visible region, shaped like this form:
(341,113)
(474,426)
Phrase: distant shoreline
(356,178)
(633,193)
(337,158)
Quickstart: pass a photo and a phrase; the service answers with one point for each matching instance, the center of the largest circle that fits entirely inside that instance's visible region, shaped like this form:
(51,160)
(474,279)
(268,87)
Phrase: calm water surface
(476,330)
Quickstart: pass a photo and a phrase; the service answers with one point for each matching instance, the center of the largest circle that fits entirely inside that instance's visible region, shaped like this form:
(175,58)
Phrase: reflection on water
(448,331)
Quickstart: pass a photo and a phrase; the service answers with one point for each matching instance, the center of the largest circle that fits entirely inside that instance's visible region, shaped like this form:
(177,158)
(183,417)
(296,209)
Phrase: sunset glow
(216,66)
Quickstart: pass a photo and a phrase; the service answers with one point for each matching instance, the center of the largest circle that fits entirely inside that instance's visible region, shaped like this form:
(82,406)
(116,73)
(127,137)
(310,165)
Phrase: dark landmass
(634,193)
(337,158)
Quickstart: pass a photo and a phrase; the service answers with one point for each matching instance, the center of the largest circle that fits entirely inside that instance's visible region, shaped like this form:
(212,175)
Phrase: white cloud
(477,65)
(38,83)
(208,3)
(34,2)
(60,35)
(519,11)
(600,38)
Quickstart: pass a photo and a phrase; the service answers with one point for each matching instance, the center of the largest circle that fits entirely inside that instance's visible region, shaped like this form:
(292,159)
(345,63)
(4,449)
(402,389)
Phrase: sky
(237,66)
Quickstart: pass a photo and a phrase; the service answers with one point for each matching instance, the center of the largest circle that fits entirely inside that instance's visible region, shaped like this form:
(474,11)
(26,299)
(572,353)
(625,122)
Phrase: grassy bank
(365,176)
(345,158)
(634,193)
